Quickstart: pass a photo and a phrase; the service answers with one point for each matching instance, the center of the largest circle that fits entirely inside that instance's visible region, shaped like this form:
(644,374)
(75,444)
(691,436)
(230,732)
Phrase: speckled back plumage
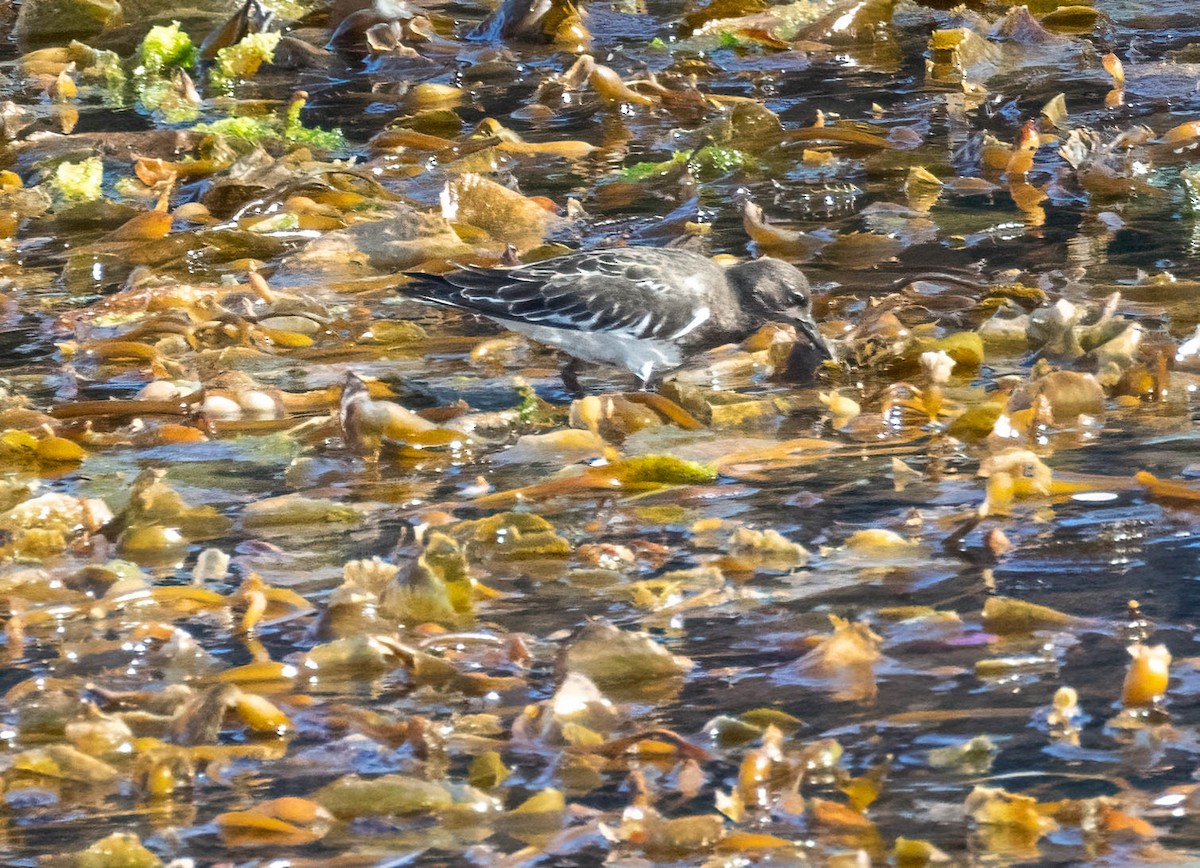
(642,308)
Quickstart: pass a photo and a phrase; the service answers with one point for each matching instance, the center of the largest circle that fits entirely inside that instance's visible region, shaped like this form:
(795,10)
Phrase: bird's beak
(807,326)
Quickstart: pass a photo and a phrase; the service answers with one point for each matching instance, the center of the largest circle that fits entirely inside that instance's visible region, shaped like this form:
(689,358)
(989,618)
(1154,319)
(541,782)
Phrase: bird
(645,309)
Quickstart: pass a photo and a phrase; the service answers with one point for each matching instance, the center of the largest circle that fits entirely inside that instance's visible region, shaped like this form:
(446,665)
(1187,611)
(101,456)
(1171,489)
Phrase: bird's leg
(570,377)
(645,377)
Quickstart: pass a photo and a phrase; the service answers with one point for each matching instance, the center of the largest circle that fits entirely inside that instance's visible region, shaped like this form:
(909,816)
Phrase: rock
(404,240)
(59,21)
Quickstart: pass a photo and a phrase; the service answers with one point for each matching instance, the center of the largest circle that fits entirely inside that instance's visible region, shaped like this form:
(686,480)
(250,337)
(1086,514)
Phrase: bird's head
(775,291)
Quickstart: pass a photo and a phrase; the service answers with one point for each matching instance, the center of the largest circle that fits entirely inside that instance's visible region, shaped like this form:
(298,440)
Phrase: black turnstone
(641,308)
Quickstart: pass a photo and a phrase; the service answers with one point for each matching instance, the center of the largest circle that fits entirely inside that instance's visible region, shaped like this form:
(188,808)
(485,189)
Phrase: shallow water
(1080,554)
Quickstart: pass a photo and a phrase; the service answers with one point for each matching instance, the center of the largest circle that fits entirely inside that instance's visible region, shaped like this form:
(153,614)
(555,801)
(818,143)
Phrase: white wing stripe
(698,319)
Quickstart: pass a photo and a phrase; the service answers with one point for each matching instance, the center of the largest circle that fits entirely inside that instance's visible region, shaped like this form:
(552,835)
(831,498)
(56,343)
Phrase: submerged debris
(289,560)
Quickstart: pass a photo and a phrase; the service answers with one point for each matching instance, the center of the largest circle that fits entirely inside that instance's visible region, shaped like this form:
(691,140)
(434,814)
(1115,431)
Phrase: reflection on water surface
(910,614)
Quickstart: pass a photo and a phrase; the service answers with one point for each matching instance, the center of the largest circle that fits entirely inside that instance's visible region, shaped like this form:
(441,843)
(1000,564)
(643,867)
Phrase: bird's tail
(434,288)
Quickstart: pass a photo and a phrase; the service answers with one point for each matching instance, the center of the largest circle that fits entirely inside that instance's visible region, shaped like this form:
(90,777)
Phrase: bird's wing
(595,292)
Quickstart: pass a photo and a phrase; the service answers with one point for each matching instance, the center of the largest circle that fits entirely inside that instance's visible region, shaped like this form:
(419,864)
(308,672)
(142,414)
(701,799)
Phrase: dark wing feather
(638,293)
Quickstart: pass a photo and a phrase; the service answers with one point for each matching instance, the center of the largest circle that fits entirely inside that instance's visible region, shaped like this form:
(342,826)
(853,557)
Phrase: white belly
(642,357)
